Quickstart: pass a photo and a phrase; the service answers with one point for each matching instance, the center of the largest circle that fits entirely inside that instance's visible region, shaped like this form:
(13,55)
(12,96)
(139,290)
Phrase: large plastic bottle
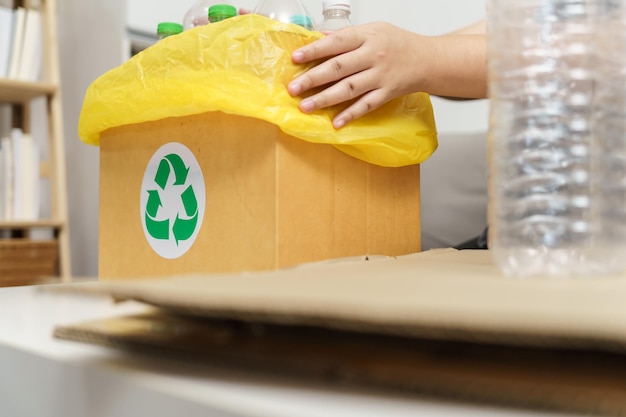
(610,125)
(287,11)
(545,208)
(336,15)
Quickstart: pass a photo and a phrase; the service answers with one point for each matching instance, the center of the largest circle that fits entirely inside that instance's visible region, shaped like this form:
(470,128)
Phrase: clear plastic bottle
(610,125)
(545,208)
(287,11)
(165,29)
(336,15)
(219,12)
(197,15)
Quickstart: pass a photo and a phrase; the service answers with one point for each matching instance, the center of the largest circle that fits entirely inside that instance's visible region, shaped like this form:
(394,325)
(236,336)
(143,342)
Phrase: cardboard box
(264,200)
(439,322)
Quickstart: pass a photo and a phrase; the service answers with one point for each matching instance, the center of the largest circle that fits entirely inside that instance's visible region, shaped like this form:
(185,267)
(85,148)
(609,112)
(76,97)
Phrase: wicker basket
(25,261)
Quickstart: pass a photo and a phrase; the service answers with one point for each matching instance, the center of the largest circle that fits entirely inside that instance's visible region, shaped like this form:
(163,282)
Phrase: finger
(345,90)
(331,45)
(367,103)
(330,71)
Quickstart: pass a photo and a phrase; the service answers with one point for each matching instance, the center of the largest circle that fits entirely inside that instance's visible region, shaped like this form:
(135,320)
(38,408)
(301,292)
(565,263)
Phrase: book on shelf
(25,176)
(16,144)
(6,180)
(21,44)
(3,177)
(29,67)
(6,38)
(2,174)
(19,180)
(30,173)
(17,42)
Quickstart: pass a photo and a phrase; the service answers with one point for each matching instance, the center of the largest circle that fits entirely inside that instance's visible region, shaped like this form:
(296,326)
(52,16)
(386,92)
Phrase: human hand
(371,63)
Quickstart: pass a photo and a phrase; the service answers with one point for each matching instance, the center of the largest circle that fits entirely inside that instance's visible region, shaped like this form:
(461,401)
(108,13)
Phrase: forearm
(476,28)
(454,66)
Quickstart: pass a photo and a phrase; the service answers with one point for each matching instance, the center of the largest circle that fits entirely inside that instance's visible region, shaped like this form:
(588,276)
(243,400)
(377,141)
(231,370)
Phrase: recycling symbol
(172,200)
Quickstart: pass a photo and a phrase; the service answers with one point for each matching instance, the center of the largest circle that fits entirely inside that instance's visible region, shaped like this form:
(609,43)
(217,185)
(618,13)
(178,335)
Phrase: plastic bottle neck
(336,14)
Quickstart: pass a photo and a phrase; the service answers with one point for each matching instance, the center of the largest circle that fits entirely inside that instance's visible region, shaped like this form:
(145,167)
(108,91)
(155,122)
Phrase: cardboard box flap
(441,294)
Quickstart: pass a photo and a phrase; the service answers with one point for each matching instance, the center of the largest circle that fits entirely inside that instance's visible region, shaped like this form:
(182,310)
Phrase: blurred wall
(91,41)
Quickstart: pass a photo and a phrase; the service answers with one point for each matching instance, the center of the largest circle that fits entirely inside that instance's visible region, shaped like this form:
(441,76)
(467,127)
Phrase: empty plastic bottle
(610,127)
(165,29)
(287,11)
(545,207)
(336,15)
(197,15)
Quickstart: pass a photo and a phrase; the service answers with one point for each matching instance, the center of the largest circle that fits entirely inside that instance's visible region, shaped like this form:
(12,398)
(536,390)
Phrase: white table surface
(44,377)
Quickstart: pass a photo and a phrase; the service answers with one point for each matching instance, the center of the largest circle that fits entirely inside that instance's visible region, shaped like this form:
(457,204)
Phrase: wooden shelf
(20,94)
(15,91)
(25,224)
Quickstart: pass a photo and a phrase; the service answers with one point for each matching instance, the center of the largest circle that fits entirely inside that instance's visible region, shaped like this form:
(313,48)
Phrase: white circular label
(172,201)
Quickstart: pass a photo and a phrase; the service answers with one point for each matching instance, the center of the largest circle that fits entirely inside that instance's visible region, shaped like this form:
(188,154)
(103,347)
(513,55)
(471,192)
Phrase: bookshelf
(24,257)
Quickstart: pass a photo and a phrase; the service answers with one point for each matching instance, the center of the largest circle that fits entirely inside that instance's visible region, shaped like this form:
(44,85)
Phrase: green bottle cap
(302,20)
(169,28)
(219,12)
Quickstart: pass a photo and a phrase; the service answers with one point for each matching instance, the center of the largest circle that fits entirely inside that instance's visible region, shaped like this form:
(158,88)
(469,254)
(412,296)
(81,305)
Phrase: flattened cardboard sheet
(448,294)
(441,322)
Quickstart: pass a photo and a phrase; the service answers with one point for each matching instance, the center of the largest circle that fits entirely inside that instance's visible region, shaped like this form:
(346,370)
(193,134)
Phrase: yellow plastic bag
(242,66)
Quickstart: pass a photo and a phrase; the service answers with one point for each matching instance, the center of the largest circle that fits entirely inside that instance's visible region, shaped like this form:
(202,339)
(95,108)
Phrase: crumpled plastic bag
(242,66)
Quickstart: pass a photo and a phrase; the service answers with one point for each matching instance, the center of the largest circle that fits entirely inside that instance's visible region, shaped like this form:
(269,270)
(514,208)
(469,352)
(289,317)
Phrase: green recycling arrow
(163,173)
(158,229)
(180,170)
(171,161)
(154,202)
(183,228)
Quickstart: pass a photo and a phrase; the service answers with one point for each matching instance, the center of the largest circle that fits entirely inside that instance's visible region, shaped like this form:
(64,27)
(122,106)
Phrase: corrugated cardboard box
(217,192)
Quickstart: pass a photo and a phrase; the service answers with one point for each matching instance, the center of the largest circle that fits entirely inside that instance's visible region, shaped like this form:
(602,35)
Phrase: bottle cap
(169,27)
(224,10)
(336,4)
(302,20)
